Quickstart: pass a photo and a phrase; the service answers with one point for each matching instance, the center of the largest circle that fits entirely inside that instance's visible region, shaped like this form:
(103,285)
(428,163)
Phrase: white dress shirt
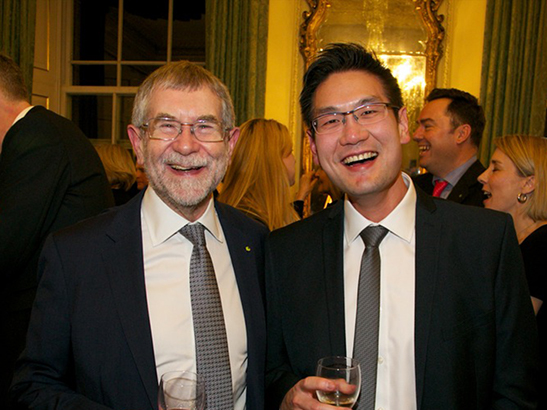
(167,256)
(396,381)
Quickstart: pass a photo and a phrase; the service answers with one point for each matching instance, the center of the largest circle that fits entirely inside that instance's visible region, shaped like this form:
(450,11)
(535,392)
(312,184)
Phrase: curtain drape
(17,22)
(236,51)
(514,70)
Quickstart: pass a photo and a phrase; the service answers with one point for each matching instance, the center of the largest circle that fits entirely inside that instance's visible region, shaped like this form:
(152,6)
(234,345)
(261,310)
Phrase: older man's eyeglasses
(168,129)
(333,122)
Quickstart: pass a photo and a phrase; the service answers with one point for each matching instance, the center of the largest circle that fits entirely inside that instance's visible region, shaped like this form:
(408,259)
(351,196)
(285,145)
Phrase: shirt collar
(22,114)
(162,222)
(401,221)
(453,177)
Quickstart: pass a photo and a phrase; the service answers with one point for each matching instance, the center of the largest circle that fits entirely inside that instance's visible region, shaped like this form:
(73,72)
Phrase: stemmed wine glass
(181,390)
(346,372)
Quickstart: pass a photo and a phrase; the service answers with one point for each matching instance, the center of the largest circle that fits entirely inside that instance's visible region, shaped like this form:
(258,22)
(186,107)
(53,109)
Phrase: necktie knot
(373,235)
(195,233)
(439,187)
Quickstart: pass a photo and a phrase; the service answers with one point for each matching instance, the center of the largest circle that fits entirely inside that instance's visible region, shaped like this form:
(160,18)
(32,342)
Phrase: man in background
(449,132)
(50,177)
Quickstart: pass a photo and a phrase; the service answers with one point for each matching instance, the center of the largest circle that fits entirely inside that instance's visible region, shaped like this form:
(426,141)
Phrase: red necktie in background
(440,185)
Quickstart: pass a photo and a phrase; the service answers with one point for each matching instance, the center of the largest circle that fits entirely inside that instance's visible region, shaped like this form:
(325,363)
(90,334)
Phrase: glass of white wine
(181,390)
(346,372)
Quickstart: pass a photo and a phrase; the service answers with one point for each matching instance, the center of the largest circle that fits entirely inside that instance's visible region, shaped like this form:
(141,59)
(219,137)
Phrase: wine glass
(181,390)
(346,372)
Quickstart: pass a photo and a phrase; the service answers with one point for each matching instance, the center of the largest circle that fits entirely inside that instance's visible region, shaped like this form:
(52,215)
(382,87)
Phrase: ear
(234,135)
(134,134)
(529,185)
(404,135)
(462,133)
(313,147)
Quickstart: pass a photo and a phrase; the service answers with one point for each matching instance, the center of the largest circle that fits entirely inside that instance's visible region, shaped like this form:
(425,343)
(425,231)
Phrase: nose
(483,178)
(186,142)
(352,132)
(418,133)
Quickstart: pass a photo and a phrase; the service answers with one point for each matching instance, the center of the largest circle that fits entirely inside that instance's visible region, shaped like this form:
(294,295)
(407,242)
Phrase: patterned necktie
(213,360)
(439,187)
(365,348)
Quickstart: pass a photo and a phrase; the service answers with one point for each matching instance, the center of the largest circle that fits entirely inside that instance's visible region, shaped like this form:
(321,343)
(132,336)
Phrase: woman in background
(516,182)
(261,172)
(120,171)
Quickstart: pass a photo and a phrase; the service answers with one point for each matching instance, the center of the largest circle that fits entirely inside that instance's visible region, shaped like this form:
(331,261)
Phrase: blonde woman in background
(516,183)
(261,173)
(120,171)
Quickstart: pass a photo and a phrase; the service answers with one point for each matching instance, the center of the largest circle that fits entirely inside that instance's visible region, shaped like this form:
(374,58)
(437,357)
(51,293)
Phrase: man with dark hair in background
(50,177)
(449,132)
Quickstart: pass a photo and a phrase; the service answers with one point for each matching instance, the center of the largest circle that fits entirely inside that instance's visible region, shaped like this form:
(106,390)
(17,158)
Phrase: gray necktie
(365,348)
(213,360)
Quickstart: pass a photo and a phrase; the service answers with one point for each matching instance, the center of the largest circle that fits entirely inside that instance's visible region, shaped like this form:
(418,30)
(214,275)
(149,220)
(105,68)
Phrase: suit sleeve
(517,341)
(34,177)
(44,378)
(279,377)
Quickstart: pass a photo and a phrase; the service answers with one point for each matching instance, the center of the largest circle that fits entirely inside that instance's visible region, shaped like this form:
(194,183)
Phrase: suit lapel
(245,269)
(333,256)
(124,261)
(249,277)
(428,236)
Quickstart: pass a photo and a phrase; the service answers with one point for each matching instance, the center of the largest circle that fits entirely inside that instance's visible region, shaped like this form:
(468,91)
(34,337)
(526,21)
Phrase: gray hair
(181,75)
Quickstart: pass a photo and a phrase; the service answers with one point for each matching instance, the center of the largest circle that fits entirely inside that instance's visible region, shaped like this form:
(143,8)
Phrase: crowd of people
(208,263)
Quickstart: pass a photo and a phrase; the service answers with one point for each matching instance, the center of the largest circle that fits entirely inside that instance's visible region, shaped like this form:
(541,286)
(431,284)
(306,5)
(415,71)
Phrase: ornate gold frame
(427,10)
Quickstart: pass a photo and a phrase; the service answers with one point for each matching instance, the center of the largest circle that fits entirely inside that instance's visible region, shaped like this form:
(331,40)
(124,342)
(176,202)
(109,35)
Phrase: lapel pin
(248,248)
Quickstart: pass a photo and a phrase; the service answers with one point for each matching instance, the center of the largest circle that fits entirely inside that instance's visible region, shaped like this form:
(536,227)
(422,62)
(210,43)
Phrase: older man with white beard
(117,303)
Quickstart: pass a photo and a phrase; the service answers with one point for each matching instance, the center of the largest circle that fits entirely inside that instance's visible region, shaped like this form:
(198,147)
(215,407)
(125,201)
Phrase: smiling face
(363,161)
(502,184)
(184,172)
(436,138)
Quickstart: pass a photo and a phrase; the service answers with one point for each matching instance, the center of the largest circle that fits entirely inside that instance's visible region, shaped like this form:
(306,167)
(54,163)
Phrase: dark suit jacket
(475,337)
(468,191)
(50,177)
(90,344)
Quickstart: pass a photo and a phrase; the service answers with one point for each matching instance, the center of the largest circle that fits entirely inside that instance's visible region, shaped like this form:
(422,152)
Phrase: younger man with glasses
(170,281)
(434,306)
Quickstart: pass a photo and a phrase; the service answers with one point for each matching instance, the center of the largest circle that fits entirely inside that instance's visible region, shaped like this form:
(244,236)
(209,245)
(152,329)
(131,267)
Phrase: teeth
(423,148)
(487,194)
(361,157)
(181,168)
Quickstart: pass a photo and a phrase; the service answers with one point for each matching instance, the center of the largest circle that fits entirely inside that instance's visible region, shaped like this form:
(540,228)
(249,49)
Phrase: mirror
(405,34)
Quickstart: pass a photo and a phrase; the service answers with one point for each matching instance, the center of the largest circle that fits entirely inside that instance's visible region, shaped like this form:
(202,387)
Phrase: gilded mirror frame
(432,22)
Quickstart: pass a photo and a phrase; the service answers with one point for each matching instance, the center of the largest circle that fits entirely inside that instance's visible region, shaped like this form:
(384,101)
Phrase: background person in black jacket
(449,132)
(50,177)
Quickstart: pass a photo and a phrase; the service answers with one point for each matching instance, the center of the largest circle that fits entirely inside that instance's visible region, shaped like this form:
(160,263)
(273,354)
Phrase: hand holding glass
(181,390)
(346,373)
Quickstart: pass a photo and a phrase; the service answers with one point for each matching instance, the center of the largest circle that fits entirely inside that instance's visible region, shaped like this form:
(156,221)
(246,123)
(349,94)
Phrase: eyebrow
(207,117)
(425,120)
(363,101)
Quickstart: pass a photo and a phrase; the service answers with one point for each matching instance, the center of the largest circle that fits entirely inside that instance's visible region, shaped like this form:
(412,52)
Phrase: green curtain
(236,51)
(18,19)
(514,70)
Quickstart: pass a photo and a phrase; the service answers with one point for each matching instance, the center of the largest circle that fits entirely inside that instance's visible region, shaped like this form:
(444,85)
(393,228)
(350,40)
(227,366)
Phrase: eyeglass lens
(364,115)
(168,129)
